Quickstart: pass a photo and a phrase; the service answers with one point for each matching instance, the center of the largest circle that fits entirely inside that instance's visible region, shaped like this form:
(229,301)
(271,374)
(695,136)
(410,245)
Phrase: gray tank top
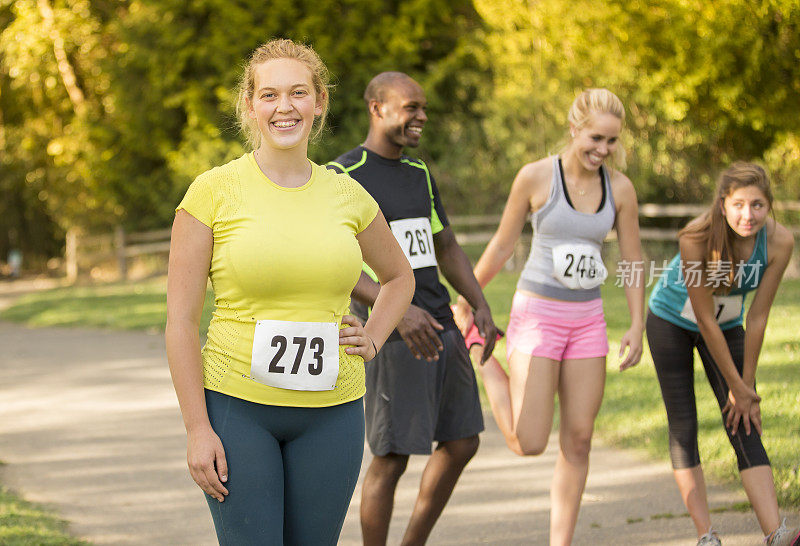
(565,262)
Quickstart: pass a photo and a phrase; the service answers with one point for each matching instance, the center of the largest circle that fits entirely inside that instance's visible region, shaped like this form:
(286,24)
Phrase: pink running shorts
(557,330)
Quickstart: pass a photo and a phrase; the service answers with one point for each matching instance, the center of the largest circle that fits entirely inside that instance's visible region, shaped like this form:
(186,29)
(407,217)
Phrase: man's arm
(417,327)
(366,290)
(457,269)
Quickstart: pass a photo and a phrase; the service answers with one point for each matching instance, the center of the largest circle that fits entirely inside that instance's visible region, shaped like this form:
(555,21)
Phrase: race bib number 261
(301,356)
(416,239)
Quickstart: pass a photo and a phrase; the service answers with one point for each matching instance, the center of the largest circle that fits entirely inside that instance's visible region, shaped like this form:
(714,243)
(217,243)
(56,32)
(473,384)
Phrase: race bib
(300,356)
(578,266)
(726,308)
(416,240)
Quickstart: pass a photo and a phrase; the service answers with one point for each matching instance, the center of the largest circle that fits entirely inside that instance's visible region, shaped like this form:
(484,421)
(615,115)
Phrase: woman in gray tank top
(556,333)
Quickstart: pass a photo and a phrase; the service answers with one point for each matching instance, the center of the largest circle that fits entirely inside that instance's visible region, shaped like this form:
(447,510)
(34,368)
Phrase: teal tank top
(670,301)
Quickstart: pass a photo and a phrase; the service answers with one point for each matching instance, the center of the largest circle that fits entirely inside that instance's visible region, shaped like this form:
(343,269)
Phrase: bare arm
(530,187)
(780,252)
(189,262)
(630,249)
(417,326)
(528,192)
(366,290)
(382,253)
(700,295)
(457,269)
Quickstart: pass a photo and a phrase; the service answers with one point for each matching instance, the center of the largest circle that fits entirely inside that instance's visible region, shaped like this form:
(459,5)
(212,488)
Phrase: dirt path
(89,425)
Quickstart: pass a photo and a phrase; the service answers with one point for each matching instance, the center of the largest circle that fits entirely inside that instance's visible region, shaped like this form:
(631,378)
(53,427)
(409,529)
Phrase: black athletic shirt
(403,188)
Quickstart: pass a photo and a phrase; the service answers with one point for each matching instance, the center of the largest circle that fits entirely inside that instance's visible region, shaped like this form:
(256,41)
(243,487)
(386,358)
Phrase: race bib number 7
(578,266)
(300,356)
(726,308)
(416,239)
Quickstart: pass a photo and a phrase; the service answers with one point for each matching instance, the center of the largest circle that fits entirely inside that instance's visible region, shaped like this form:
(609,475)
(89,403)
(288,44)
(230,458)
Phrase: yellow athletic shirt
(287,254)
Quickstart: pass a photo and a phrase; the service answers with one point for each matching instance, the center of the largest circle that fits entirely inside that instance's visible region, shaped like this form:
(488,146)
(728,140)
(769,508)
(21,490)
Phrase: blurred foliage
(703,83)
(109,108)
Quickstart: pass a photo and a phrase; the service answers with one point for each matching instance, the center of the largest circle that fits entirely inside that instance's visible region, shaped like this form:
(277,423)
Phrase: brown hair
(280,49)
(598,101)
(713,228)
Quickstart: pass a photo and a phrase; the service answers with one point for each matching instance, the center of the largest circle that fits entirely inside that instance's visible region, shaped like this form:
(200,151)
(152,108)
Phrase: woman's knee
(749,450)
(576,445)
(531,443)
(531,450)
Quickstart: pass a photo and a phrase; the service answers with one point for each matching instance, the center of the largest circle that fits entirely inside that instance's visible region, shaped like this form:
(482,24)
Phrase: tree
(49,99)
(111,107)
(698,94)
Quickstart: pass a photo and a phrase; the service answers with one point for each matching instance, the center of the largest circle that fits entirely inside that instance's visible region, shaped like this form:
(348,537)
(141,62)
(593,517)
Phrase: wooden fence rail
(83,252)
(478,229)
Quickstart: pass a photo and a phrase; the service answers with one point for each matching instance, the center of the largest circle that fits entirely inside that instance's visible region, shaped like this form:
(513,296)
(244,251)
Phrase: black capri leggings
(672,348)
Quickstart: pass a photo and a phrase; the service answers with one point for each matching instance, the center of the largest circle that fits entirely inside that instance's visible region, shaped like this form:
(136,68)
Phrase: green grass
(25,524)
(632,414)
(119,306)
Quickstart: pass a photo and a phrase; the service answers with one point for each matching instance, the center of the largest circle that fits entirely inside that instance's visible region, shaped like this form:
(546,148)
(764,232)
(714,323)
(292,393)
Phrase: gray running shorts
(411,403)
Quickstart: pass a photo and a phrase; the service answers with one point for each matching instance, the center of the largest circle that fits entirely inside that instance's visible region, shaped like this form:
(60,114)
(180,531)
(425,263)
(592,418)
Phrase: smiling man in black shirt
(421,387)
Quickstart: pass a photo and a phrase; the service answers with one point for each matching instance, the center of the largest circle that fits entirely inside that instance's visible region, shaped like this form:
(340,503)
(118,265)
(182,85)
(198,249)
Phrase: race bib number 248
(578,266)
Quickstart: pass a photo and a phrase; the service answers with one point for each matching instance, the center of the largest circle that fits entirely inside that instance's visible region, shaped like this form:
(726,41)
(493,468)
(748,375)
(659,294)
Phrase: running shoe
(709,539)
(783,536)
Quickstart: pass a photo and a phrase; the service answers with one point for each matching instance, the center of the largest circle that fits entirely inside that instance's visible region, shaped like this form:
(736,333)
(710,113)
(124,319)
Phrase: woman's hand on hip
(207,463)
(355,335)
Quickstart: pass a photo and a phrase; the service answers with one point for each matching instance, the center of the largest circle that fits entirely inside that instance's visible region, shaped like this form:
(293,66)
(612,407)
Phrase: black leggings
(292,471)
(672,348)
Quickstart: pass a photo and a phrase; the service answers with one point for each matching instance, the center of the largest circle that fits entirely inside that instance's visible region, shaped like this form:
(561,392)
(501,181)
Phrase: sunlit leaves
(704,83)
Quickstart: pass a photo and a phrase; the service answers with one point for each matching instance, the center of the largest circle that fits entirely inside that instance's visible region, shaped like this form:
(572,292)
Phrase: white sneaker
(783,536)
(709,539)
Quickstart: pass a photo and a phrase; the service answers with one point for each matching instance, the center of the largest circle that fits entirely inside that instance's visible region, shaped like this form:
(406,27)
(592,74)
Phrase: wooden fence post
(71,254)
(119,250)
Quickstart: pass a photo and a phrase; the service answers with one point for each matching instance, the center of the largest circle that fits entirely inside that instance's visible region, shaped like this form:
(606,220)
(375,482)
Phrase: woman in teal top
(670,299)
(732,249)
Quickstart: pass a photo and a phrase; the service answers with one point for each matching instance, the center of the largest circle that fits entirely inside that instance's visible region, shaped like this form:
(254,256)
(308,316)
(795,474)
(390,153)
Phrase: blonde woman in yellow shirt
(272,403)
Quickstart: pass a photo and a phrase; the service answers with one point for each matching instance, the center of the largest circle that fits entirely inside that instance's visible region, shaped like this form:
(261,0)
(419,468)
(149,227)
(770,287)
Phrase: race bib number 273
(301,356)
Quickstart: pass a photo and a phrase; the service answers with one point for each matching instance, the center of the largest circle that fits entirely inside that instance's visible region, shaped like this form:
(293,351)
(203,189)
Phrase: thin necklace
(580,192)
(571,186)
(575,189)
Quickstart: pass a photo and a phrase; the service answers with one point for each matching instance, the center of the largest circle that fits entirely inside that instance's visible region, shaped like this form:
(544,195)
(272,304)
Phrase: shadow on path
(91,427)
